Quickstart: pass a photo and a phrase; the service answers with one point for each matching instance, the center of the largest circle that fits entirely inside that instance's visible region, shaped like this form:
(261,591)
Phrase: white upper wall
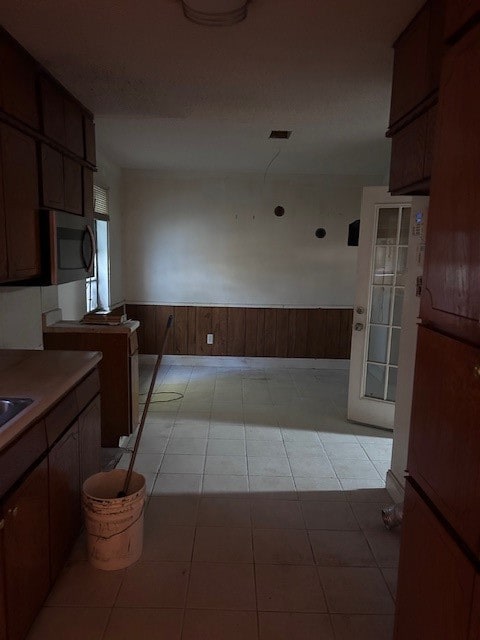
(210,239)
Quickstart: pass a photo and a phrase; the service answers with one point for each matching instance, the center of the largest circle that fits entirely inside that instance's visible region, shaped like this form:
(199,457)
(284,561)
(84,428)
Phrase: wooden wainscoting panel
(270,332)
(260,332)
(248,332)
(281,334)
(251,328)
(219,330)
(236,331)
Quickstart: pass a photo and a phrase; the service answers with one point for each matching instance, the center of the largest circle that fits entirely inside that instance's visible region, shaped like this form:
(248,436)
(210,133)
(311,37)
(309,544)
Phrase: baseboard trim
(395,487)
(251,363)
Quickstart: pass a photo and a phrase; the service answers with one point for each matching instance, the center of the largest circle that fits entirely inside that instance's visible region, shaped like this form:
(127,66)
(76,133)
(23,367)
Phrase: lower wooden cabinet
(40,512)
(436,579)
(89,440)
(64,497)
(444,448)
(26,551)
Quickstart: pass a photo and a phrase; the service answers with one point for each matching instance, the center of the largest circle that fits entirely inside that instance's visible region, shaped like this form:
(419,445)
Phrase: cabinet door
(73,127)
(90,424)
(72,172)
(53,187)
(21,203)
(444,449)
(451,300)
(3,609)
(3,230)
(410,70)
(408,157)
(64,485)
(435,579)
(17,83)
(459,13)
(26,551)
(52,98)
(88,194)
(134,390)
(90,153)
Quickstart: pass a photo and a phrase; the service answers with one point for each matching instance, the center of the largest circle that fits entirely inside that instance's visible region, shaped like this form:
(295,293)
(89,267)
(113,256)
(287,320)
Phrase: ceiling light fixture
(215,13)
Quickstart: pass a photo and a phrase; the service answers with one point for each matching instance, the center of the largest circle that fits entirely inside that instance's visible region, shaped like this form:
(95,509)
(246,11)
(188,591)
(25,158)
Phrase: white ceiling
(172,95)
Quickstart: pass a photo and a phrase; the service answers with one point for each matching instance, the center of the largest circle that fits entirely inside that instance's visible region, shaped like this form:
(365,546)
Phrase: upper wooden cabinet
(418,53)
(53,116)
(74,127)
(90,152)
(22,224)
(416,76)
(451,297)
(3,233)
(18,96)
(458,14)
(410,77)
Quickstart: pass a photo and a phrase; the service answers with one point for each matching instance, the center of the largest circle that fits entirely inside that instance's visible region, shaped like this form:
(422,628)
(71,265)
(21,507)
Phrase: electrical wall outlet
(209,338)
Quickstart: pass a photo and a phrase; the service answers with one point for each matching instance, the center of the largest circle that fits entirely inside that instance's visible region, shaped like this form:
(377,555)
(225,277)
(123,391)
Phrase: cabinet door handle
(13,511)
(2,523)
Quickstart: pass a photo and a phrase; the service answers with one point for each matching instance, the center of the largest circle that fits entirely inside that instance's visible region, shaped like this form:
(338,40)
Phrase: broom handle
(145,408)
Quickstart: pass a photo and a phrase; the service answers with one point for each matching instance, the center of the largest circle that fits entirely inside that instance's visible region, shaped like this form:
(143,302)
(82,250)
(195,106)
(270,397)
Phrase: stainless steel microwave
(72,247)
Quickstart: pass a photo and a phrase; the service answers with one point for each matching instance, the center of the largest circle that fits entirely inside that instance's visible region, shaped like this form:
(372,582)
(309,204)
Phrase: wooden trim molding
(244,331)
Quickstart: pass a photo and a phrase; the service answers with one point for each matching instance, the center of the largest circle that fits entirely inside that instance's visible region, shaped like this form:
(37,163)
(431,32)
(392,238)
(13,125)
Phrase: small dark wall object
(353,233)
(320,233)
(279,211)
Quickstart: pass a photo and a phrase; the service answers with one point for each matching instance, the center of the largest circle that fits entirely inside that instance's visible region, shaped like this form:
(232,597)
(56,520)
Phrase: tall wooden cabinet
(47,159)
(439,572)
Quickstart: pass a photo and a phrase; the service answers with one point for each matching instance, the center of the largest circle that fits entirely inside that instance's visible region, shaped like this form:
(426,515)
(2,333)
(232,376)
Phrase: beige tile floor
(262,523)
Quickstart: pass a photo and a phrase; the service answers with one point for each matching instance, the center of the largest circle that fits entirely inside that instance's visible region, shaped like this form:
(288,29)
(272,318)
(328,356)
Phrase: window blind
(100,200)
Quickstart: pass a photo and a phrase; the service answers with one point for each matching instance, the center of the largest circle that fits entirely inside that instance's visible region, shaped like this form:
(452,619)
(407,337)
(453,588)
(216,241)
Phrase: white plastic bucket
(114,525)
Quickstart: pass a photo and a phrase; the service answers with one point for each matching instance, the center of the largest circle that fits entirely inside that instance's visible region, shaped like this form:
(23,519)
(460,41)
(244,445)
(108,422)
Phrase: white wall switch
(209,338)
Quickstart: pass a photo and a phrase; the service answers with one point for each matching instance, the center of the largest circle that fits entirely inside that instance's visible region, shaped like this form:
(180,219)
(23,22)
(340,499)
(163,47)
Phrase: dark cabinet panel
(26,558)
(459,13)
(451,300)
(430,141)
(435,580)
(20,188)
(88,193)
(408,155)
(3,229)
(53,191)
(90,152)
(53,115)
(444,450)
(64,485)
(90,437)
(73,127)
(3,609)
(17,83)
(410,71)
(72,172)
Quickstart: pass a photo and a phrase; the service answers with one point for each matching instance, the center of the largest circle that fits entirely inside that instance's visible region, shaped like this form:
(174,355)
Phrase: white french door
(381,277)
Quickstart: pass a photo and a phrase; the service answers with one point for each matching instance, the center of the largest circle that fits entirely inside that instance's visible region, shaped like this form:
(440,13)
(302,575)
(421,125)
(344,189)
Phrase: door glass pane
(375,382)
(381,301)
(387,226)
(394,348)
(378,344)
(384,268)
(405,225)
(402,266)
(392,384)
(398,306)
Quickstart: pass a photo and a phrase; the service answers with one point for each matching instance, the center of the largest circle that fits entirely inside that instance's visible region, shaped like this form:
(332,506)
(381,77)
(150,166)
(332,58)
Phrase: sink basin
(10,407)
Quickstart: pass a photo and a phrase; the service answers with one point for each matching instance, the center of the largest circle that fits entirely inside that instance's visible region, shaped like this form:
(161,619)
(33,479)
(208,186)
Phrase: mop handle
(123,493)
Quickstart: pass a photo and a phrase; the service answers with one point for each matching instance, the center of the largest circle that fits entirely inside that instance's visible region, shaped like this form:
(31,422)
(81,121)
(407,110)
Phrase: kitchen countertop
(66,326)
(44,376)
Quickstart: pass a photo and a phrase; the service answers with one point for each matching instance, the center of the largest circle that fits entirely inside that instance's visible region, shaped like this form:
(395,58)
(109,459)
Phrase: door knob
(360,310)
(358,326)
